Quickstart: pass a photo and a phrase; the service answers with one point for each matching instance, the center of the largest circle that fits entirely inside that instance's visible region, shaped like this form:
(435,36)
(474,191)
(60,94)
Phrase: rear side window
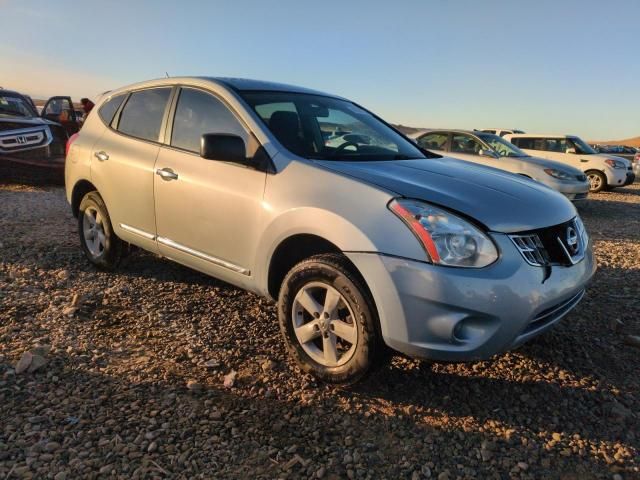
(433,141)
(142,114)
(528,143)
(199,112)
(109,108)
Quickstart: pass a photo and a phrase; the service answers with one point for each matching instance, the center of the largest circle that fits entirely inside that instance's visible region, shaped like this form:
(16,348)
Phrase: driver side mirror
(223,147)
(570,150)
(487,153)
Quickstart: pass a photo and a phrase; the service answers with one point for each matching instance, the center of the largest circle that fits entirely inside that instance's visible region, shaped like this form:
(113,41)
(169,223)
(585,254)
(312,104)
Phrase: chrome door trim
(196,253)
(137,231)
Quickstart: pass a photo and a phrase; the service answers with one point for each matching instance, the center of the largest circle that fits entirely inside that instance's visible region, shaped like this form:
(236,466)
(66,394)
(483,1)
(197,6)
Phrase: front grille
(531,249)
(581,178)
(563,244)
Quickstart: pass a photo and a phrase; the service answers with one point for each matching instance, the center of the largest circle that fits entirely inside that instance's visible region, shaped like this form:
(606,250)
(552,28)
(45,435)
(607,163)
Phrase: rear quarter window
(109,108)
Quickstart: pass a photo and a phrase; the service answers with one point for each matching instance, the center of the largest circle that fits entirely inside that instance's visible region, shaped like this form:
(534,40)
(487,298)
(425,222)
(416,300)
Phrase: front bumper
(631,177)
(574,190)
(616,177)
(457,314)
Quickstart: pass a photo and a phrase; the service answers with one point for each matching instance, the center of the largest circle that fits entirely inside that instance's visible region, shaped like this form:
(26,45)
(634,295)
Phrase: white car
(603,171)
(494,151)
(501,132)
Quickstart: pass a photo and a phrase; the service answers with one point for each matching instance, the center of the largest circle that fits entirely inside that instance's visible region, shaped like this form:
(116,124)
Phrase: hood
(544,163)
(501,201)
(22,122)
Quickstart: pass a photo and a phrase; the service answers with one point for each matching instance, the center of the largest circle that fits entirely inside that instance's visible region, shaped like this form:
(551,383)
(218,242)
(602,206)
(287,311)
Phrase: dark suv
(32,147)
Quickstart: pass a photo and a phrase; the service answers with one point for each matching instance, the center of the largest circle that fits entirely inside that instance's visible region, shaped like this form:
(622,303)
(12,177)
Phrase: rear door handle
(167,174)
(101,155)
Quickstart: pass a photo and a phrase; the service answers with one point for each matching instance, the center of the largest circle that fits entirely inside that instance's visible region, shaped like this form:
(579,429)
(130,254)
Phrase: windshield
(581,146)
(325,128)
(501,146)
(15,106)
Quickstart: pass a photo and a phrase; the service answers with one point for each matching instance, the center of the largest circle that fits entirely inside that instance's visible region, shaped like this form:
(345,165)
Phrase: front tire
(328,320)
(597,181)
(99,242)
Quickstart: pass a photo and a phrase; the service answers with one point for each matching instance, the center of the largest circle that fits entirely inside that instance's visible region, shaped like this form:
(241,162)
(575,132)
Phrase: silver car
(362,246)
(494,151)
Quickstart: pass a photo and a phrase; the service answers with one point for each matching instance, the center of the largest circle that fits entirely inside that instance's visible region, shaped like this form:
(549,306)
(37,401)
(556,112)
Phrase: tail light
(72,139)
(636,159)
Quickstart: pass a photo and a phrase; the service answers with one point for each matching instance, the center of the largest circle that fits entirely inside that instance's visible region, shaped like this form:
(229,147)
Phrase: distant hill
(629,142)
(407,130)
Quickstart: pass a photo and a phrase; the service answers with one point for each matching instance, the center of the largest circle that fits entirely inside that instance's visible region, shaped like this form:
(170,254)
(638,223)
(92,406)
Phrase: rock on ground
(113,399)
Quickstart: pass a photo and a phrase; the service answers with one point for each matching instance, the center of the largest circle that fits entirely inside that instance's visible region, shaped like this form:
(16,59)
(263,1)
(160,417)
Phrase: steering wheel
(343,146)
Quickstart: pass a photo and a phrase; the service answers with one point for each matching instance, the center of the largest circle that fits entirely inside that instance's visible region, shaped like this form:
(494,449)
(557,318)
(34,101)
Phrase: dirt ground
(133,384)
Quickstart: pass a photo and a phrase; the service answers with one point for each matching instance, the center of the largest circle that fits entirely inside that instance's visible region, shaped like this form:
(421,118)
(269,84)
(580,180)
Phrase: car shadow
(238,434)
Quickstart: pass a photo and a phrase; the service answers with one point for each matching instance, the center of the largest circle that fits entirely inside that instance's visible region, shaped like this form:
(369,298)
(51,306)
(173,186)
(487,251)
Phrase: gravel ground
(134,382)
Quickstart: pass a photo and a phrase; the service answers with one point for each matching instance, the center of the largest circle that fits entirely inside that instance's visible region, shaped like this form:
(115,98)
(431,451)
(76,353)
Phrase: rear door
(122,167)
(207,211)
(61,110)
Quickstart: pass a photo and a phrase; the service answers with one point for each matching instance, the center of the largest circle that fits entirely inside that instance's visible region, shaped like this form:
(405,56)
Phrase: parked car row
(623,151)
(494,151)
(364,238)
(603,171)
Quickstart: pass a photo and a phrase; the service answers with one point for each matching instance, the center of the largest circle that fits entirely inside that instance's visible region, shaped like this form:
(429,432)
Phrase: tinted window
(465,144)
(108,108)
(528,143)
(433,141)
(199,112)
(142,114)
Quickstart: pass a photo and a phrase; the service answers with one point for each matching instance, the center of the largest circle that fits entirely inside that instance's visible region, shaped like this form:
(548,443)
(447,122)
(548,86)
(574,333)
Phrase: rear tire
(99,242)
(597,181)
(328,320)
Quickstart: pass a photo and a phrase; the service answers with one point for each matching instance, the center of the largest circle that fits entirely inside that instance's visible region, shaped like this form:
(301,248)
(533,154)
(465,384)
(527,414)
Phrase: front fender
(352,215)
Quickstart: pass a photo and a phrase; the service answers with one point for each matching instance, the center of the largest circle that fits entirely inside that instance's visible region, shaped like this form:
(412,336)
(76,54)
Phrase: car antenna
(167,74)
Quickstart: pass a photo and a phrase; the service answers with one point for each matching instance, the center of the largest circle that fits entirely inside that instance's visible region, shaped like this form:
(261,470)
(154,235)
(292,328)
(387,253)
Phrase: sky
(560,66)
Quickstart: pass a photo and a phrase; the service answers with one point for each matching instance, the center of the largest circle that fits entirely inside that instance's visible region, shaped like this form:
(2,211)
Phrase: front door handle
(167,174)
(101,155)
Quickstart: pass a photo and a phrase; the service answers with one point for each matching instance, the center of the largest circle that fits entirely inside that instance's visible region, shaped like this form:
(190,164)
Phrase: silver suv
(364,245)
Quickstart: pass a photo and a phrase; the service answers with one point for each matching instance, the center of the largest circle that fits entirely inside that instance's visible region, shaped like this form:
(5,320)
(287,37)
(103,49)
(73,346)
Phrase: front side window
(326,128)
(501,146)
(109,108)
(434,141)
(461,143)
(197,113)
(582,148)
(142,114)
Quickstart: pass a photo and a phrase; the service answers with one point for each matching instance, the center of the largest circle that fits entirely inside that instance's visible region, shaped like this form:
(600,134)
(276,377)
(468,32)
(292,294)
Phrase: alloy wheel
(324,324)
(93,231)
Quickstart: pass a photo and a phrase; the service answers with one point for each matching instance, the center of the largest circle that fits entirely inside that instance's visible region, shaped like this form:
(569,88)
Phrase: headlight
(615,163)
(446,238)
(559,174)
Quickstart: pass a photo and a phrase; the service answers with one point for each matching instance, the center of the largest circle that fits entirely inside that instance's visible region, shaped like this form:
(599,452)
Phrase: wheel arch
(80,189)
